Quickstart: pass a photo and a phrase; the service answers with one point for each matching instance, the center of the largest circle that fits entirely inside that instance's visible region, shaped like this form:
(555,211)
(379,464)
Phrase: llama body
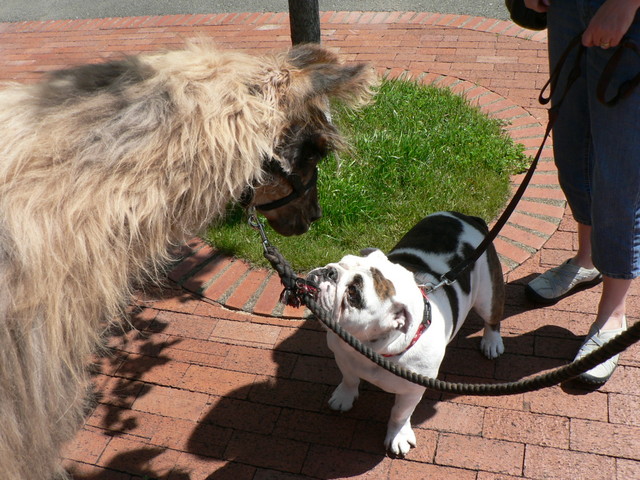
(103,168)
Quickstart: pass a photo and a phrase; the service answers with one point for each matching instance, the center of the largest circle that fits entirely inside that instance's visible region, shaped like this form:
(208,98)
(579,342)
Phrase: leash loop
(554,77)
(625,89)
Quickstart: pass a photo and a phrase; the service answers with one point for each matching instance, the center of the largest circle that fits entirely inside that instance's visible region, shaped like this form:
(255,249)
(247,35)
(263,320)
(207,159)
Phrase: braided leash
(298,291)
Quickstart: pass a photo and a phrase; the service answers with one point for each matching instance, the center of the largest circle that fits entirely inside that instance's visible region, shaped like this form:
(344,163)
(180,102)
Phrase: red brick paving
(202,391)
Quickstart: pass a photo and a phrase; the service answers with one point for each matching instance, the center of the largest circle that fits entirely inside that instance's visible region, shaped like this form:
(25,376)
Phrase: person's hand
(537,5)
(610,23)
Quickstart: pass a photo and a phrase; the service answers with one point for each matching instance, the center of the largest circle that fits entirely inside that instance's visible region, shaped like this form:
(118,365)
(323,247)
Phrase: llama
(104,169)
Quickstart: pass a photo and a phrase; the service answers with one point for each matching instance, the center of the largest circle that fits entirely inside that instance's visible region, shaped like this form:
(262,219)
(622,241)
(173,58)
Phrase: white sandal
(595,339)
(561,281)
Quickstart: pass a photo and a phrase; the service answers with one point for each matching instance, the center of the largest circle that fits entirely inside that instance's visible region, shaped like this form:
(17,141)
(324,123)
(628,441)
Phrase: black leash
(551,84)
(625,88)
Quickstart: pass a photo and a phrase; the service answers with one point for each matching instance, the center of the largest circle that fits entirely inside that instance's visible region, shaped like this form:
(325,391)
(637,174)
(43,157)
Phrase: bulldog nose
(332,274)
(323,274)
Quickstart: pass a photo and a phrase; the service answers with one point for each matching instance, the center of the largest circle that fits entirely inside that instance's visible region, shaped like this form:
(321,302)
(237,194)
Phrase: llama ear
(349,83)
(305,55)
(321,73)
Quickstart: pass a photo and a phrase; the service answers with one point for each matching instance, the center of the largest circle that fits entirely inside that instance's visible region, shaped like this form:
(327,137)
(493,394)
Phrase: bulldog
(388,303)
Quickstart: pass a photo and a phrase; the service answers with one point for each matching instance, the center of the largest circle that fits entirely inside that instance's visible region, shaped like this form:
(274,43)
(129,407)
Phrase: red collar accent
(426,321)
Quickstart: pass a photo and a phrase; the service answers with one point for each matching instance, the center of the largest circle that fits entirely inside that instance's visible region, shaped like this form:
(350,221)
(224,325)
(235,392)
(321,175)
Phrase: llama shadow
(116,382)
(284,424)
(134,349)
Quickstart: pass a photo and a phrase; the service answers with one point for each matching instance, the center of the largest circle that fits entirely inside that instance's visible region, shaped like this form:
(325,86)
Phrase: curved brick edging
(234,283)
(495,64)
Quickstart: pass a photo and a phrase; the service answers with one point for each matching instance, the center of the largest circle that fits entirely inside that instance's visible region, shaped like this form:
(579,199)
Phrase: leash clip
(259,226)
(429,287)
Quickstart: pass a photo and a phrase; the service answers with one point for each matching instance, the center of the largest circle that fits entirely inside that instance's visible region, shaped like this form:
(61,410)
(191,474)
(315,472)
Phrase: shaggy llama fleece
(103,169)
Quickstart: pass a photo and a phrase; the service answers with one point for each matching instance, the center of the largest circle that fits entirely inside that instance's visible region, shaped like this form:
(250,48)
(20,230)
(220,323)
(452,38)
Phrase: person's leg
(583,254)
(615,195)
(572,148)
(612,306)
(610,322)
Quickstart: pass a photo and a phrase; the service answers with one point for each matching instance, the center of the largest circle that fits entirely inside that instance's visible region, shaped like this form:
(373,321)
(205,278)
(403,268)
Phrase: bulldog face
(369,296)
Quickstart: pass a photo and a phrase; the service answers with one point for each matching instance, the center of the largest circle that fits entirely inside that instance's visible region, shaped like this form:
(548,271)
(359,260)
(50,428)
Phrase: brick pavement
(220,382)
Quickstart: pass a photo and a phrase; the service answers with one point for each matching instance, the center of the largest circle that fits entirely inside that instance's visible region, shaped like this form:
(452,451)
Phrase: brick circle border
(236,284)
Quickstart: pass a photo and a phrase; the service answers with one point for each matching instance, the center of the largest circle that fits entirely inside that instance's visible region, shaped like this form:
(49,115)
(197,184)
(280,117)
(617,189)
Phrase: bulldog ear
(401,316)
(373,253)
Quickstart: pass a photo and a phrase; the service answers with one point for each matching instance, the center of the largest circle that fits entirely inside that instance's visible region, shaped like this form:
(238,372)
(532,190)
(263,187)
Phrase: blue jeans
(597,147)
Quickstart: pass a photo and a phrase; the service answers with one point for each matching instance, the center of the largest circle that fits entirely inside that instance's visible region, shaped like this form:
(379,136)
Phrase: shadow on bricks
(135,460)
(530,349)
(117,375)
(282,422)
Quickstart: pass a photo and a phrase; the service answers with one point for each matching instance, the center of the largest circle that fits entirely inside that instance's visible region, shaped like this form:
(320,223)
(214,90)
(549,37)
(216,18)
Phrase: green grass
(416,150)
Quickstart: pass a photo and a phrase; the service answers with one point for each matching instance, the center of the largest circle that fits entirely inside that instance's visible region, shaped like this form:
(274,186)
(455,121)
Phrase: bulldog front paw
(399,443)
(343,398)
(491,344)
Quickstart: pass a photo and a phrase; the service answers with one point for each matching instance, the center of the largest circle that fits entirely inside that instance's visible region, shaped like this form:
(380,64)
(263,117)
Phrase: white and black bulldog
(383,301)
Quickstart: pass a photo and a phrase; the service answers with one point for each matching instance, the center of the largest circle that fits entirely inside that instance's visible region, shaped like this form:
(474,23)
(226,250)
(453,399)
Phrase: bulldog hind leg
(490,306)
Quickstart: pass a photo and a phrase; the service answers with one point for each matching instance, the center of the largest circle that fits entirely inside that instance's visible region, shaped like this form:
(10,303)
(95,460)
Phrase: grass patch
(417,150)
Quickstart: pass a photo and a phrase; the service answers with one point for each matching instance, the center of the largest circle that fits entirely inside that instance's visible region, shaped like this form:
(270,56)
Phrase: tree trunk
(304,19)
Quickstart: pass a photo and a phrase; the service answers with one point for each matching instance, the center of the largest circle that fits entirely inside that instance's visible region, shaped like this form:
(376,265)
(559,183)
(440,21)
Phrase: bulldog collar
(426,321)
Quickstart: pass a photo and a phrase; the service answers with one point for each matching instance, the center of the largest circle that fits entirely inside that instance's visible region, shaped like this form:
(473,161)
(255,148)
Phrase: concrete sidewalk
(220,382)
(18,10)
